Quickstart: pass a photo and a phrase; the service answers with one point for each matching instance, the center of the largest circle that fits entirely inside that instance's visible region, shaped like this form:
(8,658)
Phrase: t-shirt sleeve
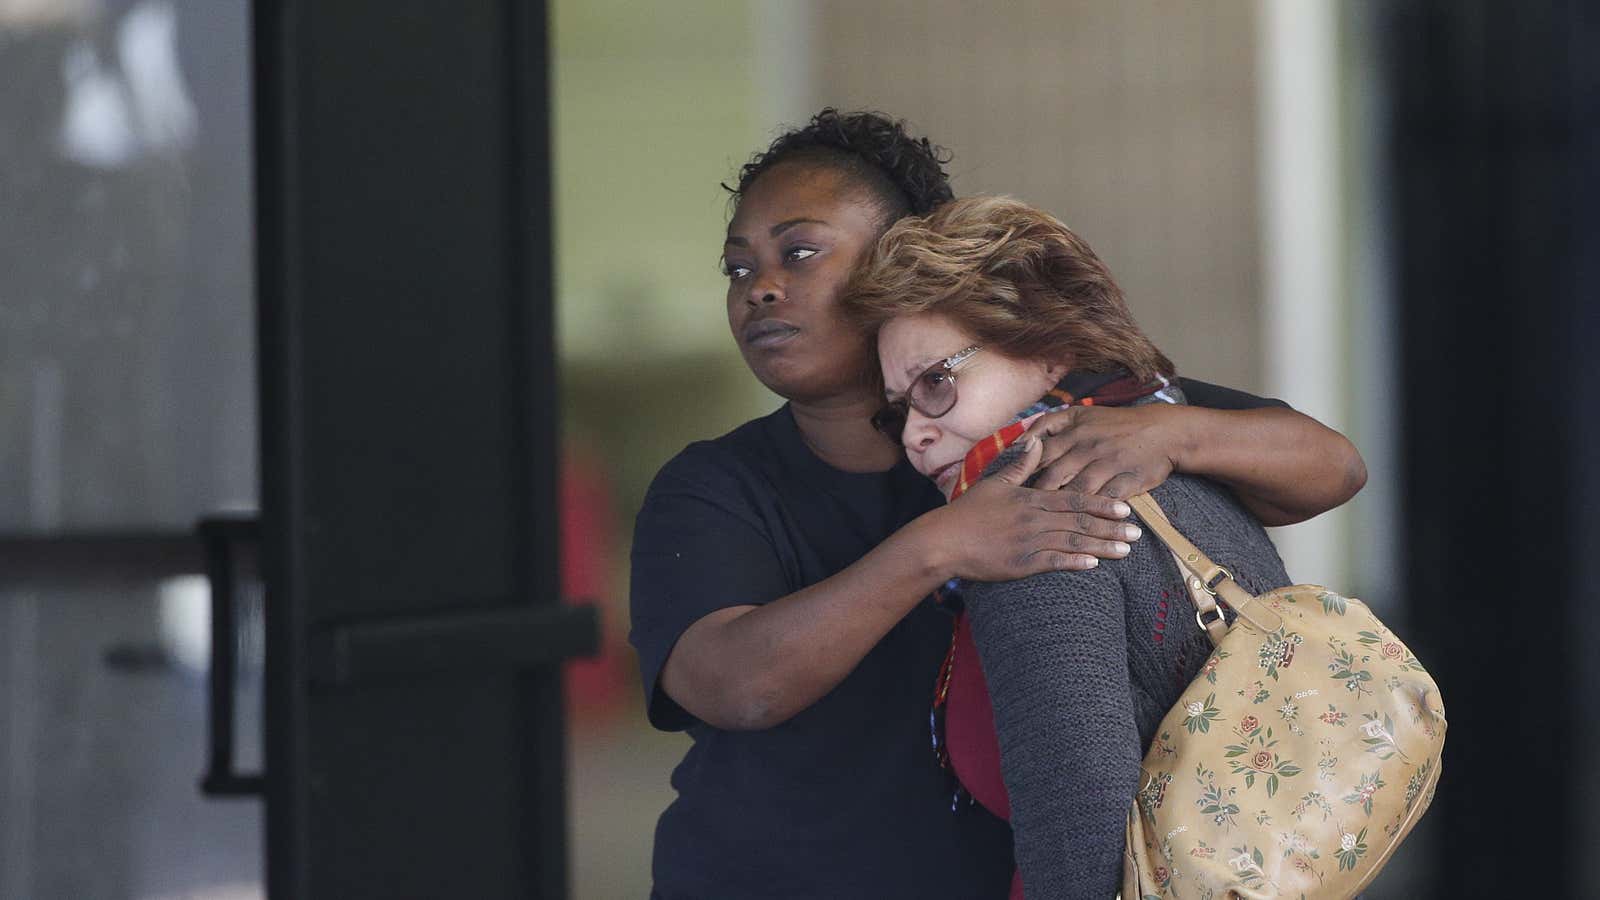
(1213,396)
(700,544)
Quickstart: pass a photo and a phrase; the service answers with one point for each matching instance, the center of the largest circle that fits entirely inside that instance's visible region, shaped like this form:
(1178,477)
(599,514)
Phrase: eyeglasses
(933,393)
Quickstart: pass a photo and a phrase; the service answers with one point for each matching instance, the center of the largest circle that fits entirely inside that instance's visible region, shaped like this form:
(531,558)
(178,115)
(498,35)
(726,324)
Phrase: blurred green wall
(655,106)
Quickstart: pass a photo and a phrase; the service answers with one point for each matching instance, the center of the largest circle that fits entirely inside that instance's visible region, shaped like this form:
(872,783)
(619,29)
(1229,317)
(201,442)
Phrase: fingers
(1111,479)
(1073,534)
(1015,531)
(1091,526)
(1059,462)
(1063,462)
(1055,421)
(1074,554)
(1079,502)
(1082,544)
(1018,471)
(1102,450)
(1092,479)
(1055,561)
(1126,484)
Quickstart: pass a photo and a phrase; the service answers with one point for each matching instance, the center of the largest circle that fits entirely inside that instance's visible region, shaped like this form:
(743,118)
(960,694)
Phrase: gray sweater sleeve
(1054,650)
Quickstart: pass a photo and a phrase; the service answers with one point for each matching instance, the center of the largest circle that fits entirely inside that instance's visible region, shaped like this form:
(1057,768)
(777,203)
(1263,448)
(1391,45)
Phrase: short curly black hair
(904,174)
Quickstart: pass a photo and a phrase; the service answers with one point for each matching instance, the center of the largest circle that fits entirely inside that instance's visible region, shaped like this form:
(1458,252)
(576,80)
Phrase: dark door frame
(322,649)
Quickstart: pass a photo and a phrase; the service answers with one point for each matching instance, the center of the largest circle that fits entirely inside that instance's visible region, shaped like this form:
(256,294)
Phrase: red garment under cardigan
(970,736)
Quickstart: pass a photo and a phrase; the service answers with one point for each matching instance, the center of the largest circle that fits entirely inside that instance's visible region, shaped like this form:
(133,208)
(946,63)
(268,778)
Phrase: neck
(840,433)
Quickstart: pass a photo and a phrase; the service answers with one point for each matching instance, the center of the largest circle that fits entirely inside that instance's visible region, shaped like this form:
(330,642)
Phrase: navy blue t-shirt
(846,799)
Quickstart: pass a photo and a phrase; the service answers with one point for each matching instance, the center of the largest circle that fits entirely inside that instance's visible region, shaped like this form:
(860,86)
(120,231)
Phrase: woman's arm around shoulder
(1283,465)
(723,636)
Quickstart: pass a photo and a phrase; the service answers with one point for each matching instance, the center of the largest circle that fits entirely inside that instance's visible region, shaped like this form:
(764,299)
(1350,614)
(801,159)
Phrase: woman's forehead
(909,344)
(790,193)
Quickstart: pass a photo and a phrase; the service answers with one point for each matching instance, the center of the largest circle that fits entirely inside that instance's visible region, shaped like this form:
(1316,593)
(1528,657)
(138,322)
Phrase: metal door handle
(219,536)
(501,639)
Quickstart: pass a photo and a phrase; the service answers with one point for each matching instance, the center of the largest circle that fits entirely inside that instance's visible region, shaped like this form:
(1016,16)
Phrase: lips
(944,472)
(768,332)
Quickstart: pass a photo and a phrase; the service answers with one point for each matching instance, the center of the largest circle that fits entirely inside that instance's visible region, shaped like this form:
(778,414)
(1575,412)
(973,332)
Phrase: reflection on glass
(126,397)
(102,744)
(126,404)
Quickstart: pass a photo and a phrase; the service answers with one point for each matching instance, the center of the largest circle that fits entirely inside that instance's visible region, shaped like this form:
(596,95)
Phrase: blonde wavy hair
(1012,275)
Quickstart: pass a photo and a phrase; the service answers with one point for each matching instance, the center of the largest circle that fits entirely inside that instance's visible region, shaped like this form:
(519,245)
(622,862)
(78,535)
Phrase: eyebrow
(775,230)
(911,372)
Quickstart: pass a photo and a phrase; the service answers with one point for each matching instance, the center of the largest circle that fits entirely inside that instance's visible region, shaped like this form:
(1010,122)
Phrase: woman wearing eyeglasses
(779,570)
(988,314)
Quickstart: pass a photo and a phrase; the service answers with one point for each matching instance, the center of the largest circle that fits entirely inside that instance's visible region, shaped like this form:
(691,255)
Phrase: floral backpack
(1297,761)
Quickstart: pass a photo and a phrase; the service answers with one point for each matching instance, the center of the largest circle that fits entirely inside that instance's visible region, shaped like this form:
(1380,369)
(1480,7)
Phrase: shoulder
(724,473)
(1210,516)
(1215,396)
(719,461)
(1202,511)
(1190,500)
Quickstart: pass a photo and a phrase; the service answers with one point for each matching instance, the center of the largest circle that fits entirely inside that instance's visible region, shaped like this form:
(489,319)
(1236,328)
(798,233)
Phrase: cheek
(825,282)
(820,295)
(966,431)
(988,408)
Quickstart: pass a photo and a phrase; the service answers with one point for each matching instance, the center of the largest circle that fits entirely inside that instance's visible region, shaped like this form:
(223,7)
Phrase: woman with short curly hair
(988,313)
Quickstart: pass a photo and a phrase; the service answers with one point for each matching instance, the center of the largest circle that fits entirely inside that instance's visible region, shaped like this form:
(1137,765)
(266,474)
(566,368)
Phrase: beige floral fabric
(1293,765)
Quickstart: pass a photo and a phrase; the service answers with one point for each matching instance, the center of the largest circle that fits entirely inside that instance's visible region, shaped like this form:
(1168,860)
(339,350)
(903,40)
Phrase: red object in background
(594,686)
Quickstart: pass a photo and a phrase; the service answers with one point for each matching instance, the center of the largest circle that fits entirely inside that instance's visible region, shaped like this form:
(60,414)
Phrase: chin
(773,374)
(811,381)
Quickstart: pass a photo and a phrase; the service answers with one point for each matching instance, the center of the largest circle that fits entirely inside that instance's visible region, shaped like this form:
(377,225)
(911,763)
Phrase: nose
(920,433)
(764,289)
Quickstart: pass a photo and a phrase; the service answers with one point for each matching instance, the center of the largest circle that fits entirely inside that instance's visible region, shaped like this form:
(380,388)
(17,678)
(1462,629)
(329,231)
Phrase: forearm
(755,667)
(1284,466)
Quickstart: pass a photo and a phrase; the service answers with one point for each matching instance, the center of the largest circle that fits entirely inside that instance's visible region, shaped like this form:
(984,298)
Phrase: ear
(1057,370)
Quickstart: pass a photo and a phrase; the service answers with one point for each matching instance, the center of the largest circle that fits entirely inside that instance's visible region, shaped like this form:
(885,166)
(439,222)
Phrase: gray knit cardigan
(1082,667)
